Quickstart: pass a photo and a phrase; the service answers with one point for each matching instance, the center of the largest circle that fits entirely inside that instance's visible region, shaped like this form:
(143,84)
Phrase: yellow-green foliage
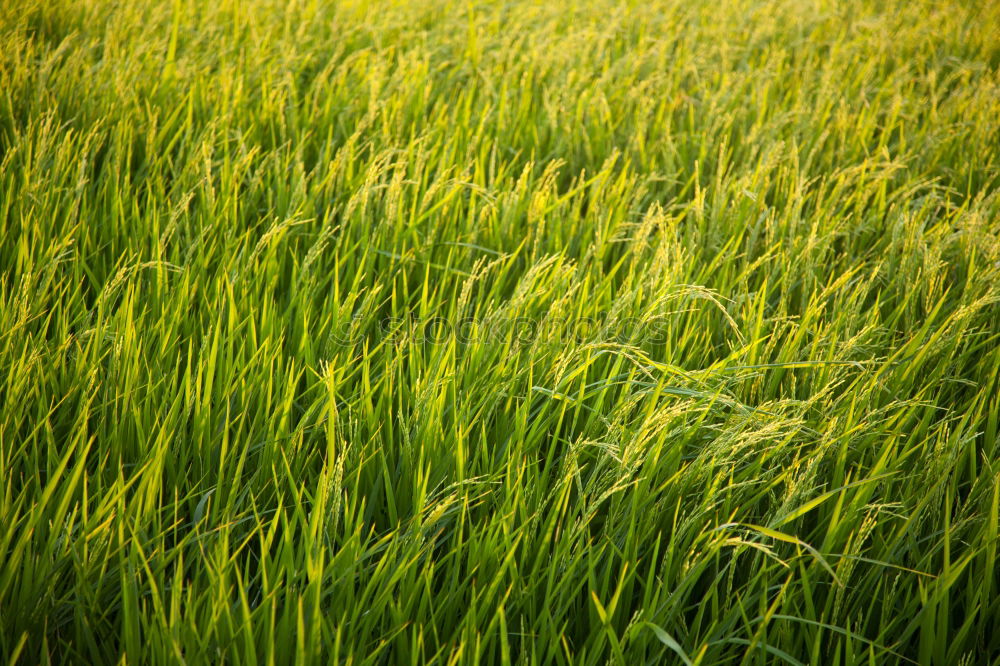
(462,332)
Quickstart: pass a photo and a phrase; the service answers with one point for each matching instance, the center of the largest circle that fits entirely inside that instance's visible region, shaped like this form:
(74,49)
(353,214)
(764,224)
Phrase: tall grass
(763,428)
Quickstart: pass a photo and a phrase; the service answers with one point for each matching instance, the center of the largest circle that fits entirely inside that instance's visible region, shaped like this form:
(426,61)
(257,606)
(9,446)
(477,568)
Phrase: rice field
(661,332)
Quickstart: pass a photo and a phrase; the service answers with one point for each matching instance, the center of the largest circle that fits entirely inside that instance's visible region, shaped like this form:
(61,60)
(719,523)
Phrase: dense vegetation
(454,332)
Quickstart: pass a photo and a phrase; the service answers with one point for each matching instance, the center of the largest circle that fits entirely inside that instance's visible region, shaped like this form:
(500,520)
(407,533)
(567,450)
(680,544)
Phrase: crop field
(464,332)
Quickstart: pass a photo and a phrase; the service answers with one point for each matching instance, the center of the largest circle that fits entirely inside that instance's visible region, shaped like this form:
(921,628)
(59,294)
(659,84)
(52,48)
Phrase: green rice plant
(437,333)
